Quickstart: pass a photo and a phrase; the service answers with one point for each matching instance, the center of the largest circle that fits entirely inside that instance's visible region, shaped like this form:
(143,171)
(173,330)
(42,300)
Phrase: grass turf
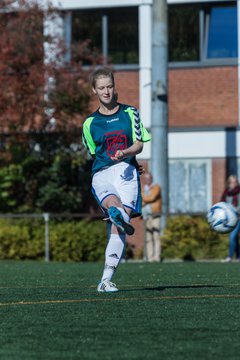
(163,311)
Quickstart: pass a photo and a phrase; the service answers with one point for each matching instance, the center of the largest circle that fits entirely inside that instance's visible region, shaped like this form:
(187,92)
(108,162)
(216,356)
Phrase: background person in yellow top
(151,211)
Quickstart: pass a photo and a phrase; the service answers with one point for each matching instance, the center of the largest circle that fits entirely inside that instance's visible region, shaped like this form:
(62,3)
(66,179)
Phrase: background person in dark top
(232,195)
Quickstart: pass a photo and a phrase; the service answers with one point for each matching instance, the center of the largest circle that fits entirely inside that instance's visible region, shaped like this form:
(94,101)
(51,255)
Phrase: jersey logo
(116,140)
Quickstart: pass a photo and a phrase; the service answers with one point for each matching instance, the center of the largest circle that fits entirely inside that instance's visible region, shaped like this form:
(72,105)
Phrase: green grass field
(163,311)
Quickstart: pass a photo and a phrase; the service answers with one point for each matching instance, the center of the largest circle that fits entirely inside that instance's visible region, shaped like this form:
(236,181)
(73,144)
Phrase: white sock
(124,214)
(113,255)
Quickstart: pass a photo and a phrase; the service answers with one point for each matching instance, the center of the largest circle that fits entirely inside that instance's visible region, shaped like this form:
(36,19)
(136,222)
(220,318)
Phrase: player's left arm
(133,150)
(139,136)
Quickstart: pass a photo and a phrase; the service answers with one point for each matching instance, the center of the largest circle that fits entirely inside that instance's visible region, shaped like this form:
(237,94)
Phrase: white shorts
(121,180)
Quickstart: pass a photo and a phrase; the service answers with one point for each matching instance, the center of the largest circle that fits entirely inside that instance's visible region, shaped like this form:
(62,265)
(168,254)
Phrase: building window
(189,186)
(222,33)
(183,33)
(83,31)
(123,36)
(112,32)
(203,32)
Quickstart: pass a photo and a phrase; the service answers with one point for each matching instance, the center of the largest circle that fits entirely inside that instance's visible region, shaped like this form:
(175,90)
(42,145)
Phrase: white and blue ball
(222,217)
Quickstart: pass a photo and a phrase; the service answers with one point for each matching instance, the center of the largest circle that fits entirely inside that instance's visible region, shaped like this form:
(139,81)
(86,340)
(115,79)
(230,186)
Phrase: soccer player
(114,135)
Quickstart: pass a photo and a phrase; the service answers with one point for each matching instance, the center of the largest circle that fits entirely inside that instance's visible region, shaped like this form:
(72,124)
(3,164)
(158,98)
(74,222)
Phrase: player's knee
(112,200)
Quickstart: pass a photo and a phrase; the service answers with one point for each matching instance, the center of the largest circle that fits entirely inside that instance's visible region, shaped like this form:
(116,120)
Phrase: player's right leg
(118,215)
(108,198)
(124,198)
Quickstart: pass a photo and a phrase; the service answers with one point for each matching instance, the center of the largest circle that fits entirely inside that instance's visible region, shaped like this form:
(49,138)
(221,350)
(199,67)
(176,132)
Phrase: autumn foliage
(24,72)
(44,99)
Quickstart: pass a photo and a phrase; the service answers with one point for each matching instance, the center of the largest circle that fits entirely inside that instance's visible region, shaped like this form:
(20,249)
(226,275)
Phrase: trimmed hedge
(190,238)
(69,240)
(185,237)
(78,241)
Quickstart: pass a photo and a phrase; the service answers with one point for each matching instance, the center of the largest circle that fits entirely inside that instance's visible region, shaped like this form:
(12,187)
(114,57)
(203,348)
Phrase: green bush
(44,173)
(78,241)
(185,237)
(18,240)
(69,240)
(190,237)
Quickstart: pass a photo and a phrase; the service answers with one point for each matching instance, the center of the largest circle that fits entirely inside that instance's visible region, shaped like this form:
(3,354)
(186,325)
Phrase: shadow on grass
(162,288)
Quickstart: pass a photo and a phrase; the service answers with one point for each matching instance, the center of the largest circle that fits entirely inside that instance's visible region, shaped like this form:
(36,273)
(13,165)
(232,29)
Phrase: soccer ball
(222,217)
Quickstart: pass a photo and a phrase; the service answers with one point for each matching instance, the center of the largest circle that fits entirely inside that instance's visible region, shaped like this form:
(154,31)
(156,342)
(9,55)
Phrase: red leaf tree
(38,89)
(25,73)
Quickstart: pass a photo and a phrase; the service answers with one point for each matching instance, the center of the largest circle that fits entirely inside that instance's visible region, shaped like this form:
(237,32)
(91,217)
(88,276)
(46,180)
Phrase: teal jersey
(103,135)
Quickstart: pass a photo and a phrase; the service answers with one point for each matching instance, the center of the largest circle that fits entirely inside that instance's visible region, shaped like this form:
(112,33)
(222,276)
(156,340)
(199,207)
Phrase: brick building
(204,136)
(203,83)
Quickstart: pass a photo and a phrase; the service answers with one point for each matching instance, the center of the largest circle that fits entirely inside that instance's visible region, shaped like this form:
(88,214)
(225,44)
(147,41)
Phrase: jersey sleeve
(87,137)
(138,130)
